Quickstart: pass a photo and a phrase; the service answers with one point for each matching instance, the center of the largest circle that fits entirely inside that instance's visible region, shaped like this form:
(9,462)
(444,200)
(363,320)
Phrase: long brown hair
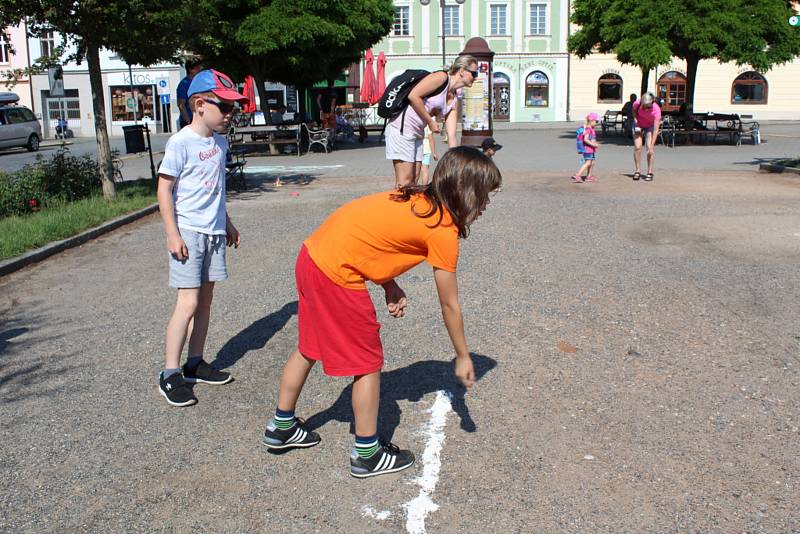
(461,184)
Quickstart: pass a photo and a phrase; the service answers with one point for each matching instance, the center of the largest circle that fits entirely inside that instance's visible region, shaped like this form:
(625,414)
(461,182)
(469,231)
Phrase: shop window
(143,102)
(749,88)
(609,88)
(537,90)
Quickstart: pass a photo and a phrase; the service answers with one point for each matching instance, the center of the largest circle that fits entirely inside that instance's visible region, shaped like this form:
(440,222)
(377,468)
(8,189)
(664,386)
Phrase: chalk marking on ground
(419,507)
(369,511)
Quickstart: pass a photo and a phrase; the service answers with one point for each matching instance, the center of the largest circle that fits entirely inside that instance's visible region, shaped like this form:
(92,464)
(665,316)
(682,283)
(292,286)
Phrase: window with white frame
(498,19)
(4,54)
(452,20)
(47,42)
(402,17)
(538,20)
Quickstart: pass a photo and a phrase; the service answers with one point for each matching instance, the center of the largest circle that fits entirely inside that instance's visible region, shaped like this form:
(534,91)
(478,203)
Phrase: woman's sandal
(649,177)
(637,175)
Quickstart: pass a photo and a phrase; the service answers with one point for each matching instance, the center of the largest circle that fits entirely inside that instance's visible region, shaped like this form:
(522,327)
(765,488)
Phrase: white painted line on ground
(289,168)
(419,507)
(369,511)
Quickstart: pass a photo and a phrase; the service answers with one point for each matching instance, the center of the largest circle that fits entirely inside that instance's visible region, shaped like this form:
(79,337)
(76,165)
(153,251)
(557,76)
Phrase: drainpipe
(30,76)
(569,58)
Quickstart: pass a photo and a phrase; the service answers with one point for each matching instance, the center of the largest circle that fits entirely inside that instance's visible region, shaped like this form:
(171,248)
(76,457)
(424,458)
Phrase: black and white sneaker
(297,436)
(388,459)
(205,374)
(175,390)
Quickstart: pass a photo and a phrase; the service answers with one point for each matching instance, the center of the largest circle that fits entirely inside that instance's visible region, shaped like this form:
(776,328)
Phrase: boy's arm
(232,235)
(447,287)
(433,145)
(175,244)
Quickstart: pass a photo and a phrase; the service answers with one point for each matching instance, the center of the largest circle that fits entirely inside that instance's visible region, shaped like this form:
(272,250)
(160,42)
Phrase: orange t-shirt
(376,238)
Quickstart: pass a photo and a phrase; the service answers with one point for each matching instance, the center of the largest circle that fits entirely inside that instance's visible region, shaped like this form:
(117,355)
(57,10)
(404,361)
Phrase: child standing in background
(587,148)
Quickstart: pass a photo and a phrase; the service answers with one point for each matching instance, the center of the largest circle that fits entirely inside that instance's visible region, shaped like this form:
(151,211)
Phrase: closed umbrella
(368,80)
(381,83)
(250,92)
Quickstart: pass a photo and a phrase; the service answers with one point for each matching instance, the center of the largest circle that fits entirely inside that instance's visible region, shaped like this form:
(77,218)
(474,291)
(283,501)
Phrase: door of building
(672,90)
(501,97)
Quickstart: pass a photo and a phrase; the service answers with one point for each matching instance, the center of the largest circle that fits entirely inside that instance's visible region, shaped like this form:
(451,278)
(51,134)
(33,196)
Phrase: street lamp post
(442,4)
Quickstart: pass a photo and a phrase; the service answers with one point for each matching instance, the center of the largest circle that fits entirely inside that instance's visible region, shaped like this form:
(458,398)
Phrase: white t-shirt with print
(198,164)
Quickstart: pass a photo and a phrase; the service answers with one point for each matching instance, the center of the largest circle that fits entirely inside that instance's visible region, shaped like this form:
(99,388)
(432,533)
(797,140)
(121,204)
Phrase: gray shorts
(206,262)
(402,146)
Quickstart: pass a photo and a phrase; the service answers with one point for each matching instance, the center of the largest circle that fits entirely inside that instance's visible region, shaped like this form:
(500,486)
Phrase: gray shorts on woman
(206,262)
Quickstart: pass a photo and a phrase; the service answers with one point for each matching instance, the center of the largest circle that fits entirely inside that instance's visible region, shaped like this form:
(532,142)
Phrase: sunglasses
(473,72)
(224,107)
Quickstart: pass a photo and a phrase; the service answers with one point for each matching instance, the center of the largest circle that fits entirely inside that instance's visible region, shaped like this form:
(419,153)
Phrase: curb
(773,168)
(39,254)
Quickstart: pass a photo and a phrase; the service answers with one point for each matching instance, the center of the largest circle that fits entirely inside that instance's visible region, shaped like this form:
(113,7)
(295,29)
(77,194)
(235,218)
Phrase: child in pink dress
(589,147)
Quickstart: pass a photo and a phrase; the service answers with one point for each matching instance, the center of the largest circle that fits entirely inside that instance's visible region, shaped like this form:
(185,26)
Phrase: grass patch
(19,234)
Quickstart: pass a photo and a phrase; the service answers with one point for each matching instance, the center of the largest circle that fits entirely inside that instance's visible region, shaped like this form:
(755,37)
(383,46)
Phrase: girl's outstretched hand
(465,372)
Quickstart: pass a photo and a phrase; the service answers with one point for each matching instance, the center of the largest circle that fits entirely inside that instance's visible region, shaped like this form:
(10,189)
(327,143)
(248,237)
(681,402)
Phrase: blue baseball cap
(213,81)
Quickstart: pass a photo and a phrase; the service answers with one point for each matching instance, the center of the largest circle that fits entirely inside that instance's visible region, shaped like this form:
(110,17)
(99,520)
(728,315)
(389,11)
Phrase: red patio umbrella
(250,92)
(368,80)
(381,87)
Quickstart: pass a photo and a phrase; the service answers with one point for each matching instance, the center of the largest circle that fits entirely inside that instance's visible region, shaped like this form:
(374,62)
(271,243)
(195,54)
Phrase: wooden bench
(613,120)
(703,126)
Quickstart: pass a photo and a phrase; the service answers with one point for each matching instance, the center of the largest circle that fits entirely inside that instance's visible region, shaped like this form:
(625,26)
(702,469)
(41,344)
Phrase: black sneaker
(175,390)
(205,374)
(297,436)
(388,459)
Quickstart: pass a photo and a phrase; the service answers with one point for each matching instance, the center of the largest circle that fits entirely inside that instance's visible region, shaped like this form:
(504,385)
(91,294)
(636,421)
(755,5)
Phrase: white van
(18,125)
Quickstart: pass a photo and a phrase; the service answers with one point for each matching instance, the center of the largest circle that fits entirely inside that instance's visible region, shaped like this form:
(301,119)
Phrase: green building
(529,38)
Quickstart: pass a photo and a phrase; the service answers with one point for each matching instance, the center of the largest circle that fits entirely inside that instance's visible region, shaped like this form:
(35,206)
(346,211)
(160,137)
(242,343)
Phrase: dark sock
(283,420)
(193,362)
(367,446)
(166,373)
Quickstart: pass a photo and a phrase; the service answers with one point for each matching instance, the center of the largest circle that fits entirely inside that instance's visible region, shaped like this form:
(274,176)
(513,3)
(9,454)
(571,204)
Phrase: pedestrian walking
(647,121)
(490,147)
(436,91)
(587,144)
(377,238)
(191,199)
(193,66)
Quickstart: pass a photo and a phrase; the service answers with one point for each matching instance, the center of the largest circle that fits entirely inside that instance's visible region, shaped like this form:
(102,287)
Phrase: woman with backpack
(435,94)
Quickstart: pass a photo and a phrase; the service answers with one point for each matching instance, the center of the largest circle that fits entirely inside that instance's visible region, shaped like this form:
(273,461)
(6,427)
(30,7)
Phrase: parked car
(18,125)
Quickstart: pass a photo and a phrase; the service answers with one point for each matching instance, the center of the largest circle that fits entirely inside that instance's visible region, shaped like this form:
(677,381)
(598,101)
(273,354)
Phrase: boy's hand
(232,235)
(177,247)
(395,299)
(435,156)
(465,372)
(434,126)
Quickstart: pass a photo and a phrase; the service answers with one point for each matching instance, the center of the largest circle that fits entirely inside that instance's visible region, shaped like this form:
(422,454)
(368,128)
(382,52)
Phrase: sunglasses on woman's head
(224,107)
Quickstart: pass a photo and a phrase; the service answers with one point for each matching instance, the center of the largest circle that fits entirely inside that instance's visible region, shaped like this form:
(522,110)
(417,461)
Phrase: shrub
(63,178)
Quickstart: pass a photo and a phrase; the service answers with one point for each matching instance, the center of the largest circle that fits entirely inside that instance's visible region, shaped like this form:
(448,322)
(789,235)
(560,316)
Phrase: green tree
(297,42)
(648,32)
(141,32)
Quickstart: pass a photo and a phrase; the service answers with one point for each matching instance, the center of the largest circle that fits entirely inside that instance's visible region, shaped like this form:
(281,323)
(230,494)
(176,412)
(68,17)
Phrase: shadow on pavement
(408,383)
(254,337)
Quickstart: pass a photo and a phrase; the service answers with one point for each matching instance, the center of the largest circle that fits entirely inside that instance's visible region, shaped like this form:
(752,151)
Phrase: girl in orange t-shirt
(377,238)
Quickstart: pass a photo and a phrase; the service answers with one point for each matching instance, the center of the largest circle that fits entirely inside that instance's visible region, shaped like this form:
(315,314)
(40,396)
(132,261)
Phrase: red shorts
(336,325)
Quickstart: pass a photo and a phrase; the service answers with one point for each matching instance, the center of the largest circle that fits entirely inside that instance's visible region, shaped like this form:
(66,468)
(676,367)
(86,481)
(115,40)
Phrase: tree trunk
(645,80)
(691,77)
(101,133)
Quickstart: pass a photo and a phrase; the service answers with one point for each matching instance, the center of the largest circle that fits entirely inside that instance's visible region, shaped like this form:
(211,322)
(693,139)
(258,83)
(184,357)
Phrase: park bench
(700,127)
(613,120)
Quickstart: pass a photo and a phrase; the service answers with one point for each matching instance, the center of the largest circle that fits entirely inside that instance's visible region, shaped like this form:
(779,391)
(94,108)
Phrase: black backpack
(395,99)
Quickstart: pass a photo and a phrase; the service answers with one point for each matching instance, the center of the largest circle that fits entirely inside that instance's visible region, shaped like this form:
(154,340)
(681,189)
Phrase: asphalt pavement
(636,345)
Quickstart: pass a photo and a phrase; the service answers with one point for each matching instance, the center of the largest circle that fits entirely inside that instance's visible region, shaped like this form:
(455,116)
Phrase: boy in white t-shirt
(191,198)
